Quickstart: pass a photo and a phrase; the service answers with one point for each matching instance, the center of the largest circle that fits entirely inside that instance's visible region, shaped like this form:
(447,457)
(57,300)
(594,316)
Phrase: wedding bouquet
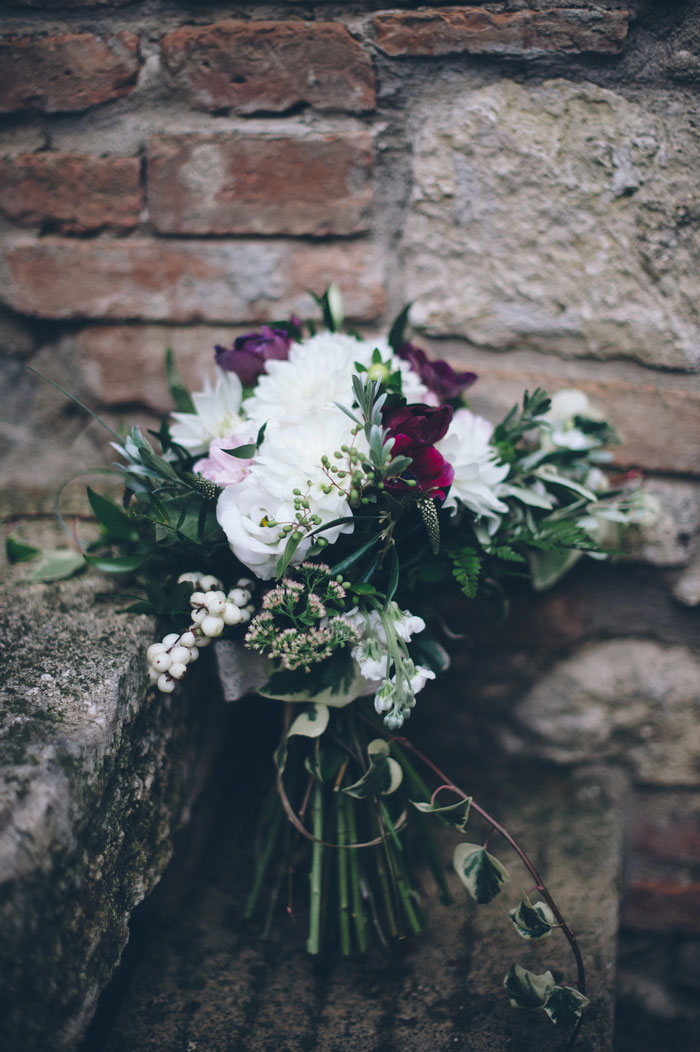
(305,503)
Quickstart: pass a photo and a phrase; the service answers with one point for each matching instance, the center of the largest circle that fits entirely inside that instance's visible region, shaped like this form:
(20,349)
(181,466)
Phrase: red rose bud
(414,429)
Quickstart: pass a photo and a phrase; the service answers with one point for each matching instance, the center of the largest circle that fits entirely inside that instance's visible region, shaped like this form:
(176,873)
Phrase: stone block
(73,194)
(243,183)
(96,777)
(561,217)
(260,66)
(631,702)
(527,34)
(181,281)
(56,74)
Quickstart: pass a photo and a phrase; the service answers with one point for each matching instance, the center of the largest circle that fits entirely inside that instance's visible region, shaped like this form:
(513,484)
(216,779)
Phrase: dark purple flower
(437,375)
(249,353)
(414,429)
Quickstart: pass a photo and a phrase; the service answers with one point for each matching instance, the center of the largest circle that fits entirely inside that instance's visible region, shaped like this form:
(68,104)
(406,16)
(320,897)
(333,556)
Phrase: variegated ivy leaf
(481,873)
(383,776)
(311,723)
(456,814)
(527,990)
(564,1006)
(532,921)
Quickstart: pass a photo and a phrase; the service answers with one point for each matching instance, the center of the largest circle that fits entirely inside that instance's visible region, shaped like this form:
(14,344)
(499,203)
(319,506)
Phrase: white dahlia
(217,414)
(478,473)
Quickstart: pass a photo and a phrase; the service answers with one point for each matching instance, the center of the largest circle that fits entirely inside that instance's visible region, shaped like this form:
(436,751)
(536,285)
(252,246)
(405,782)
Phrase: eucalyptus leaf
(56,565)
(526,989)
(456,814)
(312,723)
(532,921)
(564,1006)
(383,776)
(481,873)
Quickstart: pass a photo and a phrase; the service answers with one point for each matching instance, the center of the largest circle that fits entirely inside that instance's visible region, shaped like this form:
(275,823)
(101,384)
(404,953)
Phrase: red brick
(65,73)
(450,30)
(662,906)
(260,184)
(124,364)
(75,194)
(658,423)
(179,281)
(251,67)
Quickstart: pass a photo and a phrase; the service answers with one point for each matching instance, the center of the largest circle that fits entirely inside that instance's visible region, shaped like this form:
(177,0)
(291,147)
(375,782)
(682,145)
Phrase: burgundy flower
(249,353)
(437,375)
(414,429)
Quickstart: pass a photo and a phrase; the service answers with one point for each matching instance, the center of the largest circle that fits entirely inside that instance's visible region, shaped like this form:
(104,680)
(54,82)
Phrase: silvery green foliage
(532,920)
(481,873)
(563,1004)
(311,723)
(456,814)
(383,776)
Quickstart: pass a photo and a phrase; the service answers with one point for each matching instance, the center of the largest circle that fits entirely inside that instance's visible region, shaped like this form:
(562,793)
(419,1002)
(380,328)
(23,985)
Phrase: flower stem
(358,910)
(342,857)
(313,943)
(264,861)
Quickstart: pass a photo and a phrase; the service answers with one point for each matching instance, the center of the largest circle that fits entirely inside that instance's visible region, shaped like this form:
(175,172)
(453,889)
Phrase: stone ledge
(96,776)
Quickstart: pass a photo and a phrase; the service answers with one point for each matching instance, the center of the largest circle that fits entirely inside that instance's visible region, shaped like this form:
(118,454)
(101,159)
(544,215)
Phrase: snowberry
(180,654)
(194,654)
(198,599)
(166,684)
(239,596)
(244,582)
(212,626)
(208,582)
(199,614)
(162,662)
(231,614)
(203,641)
(187,639)
(153,650)
(246,614)
(170,640)
(177,670)
(216,603)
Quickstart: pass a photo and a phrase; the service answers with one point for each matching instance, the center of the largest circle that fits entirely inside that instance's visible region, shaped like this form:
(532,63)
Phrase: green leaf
(288,553)
(397,332)
(182,399)
(56,565)
(117,563)
(532,921)
(466,566)
(481,873)
(564,1006)
(344,564)
(547,567)
(312,723)
(456,814)
(19,552)
(114,519)
(527,990)
(383,776)
(244,452)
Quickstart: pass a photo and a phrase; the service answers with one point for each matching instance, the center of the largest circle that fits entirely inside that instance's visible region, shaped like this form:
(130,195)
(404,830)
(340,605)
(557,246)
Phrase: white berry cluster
(212,610)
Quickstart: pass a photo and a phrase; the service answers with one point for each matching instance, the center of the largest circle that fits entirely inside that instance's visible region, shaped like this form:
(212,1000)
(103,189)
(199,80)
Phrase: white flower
(478,473)
(289,459)
(217,414)
(318,373)
(566,405)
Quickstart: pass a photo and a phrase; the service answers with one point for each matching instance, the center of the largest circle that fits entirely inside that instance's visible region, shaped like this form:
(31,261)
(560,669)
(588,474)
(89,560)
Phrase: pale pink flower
(220,467)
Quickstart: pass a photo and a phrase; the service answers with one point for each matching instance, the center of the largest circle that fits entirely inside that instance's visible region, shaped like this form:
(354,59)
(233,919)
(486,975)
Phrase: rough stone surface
(632,702)
(527,33)
(72,194)
(219,281)
(257,66)
(558,216)
(66,73)
(95,778)
(260,184)
(210,982)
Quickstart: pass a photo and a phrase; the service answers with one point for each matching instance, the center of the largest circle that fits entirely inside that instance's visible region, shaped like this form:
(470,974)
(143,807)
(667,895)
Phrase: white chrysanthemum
(478,473)
(318,373)
(289,459)
(217,414)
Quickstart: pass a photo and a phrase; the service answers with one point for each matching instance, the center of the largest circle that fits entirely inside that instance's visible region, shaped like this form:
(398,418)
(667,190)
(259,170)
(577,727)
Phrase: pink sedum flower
(220,467)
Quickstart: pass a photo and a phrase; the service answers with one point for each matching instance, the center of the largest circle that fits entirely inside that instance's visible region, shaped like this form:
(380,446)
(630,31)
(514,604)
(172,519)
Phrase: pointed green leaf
(383,776)
(114,519)
(481,873)
(532,921)
(546,568)
(456,814)
(19,552)
(287,555)
(182,399)
(56,564)
(527,990)
(312,723)
(244,452)
(397,332)
(116,564)
(565,1005)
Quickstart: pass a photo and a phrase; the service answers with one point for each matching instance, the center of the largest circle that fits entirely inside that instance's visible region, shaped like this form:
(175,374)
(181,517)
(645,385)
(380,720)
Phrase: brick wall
(525,172)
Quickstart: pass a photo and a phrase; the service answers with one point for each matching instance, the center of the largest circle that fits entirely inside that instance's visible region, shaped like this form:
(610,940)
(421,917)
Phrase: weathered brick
(260,184)
(75,194)
(64,73)
(658,423)
(451,30)
(662,906)
(218,281)
(251,67)
(124,364)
